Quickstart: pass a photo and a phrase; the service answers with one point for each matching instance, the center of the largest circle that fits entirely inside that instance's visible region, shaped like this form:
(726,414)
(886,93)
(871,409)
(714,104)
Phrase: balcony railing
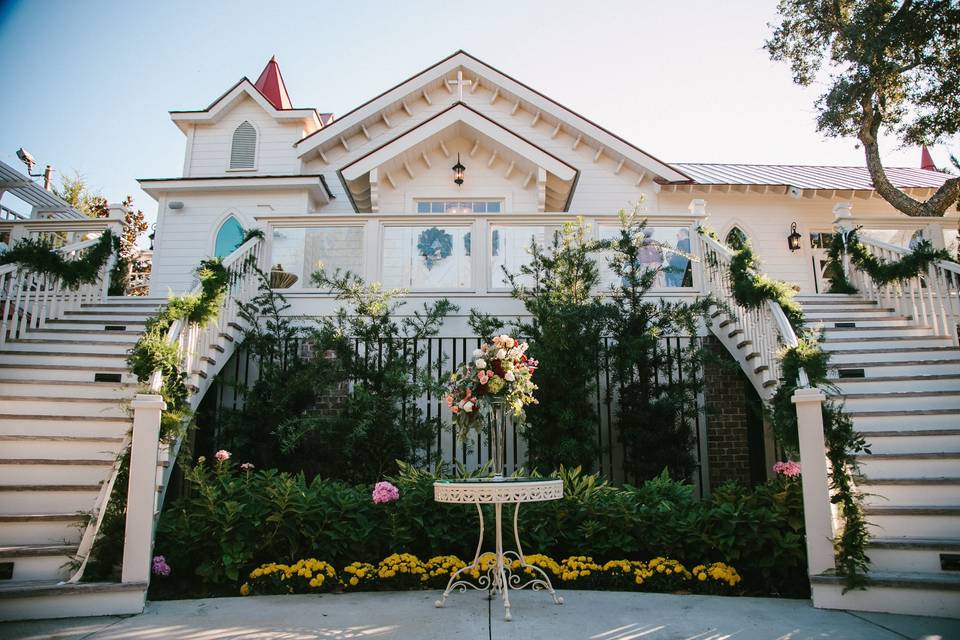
(455,254)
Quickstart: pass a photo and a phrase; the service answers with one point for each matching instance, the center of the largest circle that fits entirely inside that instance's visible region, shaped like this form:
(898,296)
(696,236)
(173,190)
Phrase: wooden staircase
(64,419)
(900,383)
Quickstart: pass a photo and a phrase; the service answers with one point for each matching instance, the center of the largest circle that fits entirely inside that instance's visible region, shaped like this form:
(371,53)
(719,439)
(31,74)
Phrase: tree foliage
(893,66)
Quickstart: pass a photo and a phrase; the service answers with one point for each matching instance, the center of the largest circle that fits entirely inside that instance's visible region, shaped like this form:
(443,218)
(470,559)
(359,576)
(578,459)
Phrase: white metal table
(499,578)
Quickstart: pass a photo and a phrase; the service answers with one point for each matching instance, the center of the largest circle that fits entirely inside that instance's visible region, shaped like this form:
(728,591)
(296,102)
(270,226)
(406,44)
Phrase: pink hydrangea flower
(385,492)
(160,566)
(247,466)
(789,468)
(222,456)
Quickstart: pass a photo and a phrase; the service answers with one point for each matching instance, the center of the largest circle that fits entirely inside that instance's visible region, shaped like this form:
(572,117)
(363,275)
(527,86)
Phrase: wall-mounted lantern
(793,240)
(458,170)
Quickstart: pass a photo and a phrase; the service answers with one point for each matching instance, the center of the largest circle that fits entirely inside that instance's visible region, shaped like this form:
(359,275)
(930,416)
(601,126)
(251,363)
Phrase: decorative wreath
(434,245)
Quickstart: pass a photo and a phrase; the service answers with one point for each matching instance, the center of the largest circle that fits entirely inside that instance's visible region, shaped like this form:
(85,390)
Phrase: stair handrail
(929,299)
(189,338)
(761,332)
(28,300)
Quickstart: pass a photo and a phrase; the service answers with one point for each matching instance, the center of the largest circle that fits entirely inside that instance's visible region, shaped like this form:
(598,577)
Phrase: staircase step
(101,359)
(861,320)
(916,593)
(902,400)
(910,441)
(909,368)
(28,444)
(37,345)
(938,355)
(58,407)
(91,335)
(50,598)
(38,562)
(69,389)
(886,384)
(906,491)
(896,420)
(86,323)
(903,465)
(41,528)
(15,471)
(894,524)
(30,498)
(60,372)
(909,553)
(836,334)
(885,343)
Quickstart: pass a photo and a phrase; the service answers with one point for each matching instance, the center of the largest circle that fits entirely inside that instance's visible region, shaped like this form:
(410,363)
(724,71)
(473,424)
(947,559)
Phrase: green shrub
(233,521)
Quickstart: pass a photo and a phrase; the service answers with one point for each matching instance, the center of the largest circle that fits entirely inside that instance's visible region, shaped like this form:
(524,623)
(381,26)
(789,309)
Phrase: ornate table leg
(501,572)
(462,585)
(534,583)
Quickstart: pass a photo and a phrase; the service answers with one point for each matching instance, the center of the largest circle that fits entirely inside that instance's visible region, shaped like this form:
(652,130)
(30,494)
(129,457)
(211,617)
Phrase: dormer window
(243,153)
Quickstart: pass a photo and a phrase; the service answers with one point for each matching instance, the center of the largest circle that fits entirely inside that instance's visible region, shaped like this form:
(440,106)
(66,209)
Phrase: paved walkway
(586,615)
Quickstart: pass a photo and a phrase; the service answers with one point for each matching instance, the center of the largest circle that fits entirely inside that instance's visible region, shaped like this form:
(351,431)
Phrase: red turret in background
(926,162)
(270,84)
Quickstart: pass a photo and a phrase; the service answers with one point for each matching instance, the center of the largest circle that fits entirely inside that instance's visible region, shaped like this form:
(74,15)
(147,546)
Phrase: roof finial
(271,85)
(926,160)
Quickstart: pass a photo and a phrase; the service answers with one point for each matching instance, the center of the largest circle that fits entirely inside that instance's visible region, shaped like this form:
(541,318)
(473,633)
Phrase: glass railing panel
(427,257)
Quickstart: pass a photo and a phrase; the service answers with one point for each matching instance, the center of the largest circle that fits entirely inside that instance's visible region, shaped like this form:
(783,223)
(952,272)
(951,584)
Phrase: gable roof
(804,176)
(271,85)
(537,101)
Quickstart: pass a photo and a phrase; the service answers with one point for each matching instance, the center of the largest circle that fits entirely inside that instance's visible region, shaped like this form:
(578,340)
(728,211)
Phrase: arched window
(736,239)
(229,237)
(244,150)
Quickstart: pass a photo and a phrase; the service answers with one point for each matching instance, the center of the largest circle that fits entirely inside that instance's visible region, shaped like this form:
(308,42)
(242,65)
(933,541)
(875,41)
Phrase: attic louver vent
(244,150)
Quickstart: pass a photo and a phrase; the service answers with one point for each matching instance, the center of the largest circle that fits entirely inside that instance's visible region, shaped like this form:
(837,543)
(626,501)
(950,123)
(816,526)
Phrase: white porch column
(818,514)
(142,488)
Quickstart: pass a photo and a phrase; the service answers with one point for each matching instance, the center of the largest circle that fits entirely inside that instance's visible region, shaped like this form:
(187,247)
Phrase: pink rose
(385,492)
(222,456)
(247,466)
(160,566)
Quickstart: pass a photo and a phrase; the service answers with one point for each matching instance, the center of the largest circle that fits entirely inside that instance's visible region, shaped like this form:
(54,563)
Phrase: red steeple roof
(270,84)
(926,162)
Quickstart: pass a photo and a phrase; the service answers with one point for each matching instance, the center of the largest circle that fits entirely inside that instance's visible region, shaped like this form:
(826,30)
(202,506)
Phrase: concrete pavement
(586,615)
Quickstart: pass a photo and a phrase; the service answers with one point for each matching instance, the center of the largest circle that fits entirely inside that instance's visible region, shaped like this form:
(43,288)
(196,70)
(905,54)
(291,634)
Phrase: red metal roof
(270,84)
(805,176)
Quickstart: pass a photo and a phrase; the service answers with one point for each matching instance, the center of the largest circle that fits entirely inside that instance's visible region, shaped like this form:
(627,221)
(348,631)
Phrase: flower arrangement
(498,371)
(407,571)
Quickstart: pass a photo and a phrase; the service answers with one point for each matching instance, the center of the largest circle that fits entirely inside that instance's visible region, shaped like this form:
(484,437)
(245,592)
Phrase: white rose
(477,353)
(480,363)
(501,354)
(508,376)
(468,407)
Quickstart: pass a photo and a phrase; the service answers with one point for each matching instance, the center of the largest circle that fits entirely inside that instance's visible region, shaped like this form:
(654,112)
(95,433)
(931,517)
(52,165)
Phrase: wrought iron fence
(440,355)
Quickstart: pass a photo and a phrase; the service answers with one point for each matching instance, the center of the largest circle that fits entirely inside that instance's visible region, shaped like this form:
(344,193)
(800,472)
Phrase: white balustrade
(29,300)
(754,336)
(930,299)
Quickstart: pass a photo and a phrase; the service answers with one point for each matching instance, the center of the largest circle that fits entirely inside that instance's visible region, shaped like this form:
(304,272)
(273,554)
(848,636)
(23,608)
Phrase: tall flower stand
(500,578)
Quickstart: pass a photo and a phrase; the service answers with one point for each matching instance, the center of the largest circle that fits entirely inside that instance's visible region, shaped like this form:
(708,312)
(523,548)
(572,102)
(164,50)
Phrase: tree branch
(935,206)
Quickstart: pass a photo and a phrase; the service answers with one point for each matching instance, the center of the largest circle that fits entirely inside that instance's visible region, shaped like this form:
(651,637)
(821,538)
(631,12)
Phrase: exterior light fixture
(793,240)
(458,170)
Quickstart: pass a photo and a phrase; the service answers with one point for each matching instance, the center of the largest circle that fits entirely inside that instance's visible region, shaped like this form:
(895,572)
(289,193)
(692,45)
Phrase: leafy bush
(234,521)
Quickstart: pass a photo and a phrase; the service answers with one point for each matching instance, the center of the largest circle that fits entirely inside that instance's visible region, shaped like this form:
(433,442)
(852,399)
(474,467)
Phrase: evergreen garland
(39,255)
(882,272)
(842,441)
(752,289)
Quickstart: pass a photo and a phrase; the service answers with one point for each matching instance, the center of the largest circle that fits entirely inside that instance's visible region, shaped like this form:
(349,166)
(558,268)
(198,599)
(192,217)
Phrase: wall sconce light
(458,170)
(793,240)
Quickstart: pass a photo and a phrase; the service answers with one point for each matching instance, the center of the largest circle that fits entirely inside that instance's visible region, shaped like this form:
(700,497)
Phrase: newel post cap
(148,401)
(808,394)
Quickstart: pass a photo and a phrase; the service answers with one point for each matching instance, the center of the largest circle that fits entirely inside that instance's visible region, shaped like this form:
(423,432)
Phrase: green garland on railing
(843,442)
(752,289)
(152,352)
(39,255)
(882,272)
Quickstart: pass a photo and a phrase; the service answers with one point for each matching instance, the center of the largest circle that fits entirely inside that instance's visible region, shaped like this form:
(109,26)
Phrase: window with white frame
(243,152)
(459,206)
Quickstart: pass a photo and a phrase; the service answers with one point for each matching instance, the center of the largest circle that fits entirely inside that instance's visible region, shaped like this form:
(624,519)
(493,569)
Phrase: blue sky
(88,84)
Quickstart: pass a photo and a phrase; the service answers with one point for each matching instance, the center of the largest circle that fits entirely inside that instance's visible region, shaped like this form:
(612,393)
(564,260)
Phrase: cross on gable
(460,83)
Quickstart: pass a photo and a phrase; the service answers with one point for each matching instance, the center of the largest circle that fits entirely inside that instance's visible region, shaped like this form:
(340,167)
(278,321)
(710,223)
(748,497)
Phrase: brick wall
(728,417)
(330,402)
